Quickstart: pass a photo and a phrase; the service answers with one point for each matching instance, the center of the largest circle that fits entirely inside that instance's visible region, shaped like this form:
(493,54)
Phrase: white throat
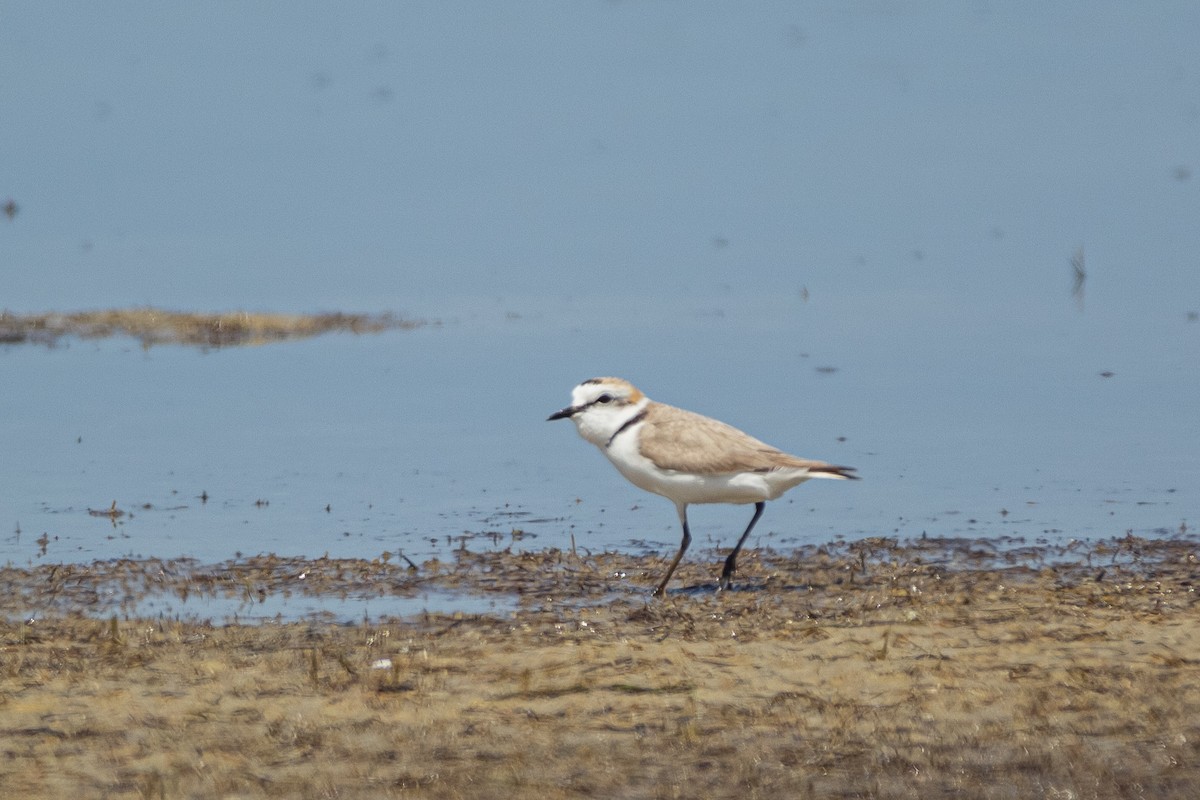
(600,424)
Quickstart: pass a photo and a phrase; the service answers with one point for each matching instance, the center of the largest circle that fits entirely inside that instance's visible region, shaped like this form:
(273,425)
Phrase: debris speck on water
(1079,273)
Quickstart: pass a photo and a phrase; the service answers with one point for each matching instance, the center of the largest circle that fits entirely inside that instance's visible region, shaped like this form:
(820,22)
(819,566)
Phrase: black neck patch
(638,417)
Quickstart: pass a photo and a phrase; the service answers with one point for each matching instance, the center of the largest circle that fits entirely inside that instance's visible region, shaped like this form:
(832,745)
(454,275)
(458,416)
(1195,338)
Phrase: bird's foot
(727,574)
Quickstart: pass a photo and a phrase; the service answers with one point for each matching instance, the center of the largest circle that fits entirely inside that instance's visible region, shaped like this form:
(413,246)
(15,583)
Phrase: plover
(686,457)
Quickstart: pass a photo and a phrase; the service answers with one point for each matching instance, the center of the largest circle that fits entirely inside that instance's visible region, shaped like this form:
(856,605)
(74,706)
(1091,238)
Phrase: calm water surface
(410,441)
(848,231)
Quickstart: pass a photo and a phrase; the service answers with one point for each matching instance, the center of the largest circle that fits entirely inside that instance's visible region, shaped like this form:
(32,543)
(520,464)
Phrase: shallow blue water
(847,231)
(415,439)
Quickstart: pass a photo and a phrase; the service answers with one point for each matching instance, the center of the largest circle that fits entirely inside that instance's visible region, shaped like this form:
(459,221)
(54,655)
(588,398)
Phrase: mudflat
(886,669)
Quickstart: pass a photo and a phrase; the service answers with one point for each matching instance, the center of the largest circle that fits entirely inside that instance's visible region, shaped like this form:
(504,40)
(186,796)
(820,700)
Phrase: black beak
(566,413)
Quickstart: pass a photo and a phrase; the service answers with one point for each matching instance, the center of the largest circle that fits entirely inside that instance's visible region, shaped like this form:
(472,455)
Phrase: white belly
(688,488)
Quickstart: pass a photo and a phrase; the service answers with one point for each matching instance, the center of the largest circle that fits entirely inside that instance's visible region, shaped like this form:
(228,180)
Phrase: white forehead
(589,390)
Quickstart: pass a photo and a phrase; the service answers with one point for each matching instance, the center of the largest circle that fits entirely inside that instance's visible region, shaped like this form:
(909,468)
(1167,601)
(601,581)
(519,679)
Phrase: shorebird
(686,457)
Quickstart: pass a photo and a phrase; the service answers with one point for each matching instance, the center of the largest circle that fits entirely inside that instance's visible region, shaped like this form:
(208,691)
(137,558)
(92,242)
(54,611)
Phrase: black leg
(731,562)
(661,591)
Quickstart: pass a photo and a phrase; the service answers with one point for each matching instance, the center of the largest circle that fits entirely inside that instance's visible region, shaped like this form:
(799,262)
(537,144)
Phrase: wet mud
(930,668)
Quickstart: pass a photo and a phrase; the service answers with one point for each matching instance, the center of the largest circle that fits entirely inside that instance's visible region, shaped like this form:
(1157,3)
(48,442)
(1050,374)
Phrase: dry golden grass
(873,670)
(154,326)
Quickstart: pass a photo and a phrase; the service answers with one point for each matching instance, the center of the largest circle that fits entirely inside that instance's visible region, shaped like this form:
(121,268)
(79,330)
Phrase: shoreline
(471,577)
(871,669)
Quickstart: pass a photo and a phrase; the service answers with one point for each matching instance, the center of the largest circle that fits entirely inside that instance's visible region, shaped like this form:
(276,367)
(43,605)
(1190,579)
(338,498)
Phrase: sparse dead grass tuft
(156,326)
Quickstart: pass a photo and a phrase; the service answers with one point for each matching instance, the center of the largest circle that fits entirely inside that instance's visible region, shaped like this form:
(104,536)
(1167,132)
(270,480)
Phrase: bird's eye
(604,398)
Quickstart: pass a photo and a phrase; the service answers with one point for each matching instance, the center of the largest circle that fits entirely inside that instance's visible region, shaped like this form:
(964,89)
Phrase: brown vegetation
(872,669)
(155,326)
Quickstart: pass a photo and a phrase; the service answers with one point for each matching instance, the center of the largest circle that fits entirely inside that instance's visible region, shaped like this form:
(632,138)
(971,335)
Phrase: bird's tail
(831,471)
